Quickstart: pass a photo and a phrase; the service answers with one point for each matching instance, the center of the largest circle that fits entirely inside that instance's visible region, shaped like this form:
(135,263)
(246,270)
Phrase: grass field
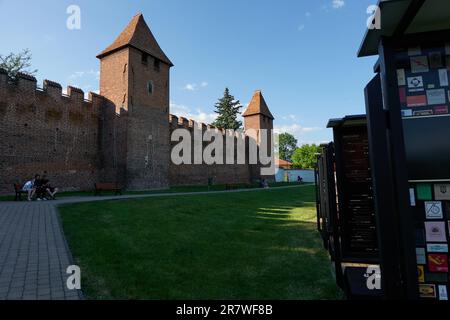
(253,245)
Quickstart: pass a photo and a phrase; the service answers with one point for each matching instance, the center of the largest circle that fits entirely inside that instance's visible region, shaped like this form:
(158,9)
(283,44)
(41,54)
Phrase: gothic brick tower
(134,78)
(258,117)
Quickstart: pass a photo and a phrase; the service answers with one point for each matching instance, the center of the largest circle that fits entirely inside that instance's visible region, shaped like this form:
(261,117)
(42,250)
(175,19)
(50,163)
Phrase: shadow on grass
(260,245)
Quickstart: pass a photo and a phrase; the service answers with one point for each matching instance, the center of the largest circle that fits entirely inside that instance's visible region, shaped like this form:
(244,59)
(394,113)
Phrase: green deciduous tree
(305,157)
(14,63)
(228,110)
(287,144)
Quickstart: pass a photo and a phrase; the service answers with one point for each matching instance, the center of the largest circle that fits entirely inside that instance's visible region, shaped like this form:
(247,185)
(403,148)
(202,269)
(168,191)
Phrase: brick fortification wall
(192,174)
(43,130)
(78,142)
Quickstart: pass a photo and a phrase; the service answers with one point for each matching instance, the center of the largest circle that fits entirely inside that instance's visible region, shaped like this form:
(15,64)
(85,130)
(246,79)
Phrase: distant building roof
(283,163)
(138,35)
(258,106)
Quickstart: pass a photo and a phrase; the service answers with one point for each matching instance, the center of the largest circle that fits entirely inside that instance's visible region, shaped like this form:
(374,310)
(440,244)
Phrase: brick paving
(34,254)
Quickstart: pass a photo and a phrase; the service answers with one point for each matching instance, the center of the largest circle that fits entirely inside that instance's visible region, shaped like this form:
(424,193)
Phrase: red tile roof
(258,106)
(283,163)
(138,35)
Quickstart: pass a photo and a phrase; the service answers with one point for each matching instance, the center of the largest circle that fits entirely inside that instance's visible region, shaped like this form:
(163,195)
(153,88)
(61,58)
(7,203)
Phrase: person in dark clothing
(39,186)
(49,191)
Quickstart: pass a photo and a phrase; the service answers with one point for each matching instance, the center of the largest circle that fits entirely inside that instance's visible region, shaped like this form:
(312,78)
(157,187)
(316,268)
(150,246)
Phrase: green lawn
(255,245)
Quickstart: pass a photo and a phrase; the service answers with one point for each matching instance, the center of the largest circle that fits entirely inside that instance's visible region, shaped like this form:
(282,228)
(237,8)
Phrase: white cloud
(301,27)
(195,86)
(290,117)
(190,87)
(338,4)
(296,129)
(198,114)
(308,14)
(82,74)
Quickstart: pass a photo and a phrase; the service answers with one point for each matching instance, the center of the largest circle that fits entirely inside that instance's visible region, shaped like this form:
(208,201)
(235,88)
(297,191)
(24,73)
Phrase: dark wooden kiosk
(390,169)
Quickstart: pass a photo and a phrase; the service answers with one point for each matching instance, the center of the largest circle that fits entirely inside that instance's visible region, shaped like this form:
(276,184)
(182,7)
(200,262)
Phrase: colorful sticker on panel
(422,113)
(415,83)
(433,210)
(427,291)
(438,262)
(421,256)
(436,96)
(435,232)
(443,294)
(443,77)
(442,191)
(412,197)
(439,110)
(437,248)
(424,192)
(407,113)
(401,77)
(419,64)
(421,273)
(416,101)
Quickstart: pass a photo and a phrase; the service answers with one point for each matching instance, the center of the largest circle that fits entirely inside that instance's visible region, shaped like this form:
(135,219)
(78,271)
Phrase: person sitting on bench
(40,189)
(52,191)
(30,188)
(47,190)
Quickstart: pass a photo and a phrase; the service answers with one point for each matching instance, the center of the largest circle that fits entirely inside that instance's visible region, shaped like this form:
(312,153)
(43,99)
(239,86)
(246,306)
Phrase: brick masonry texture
(34,255)
(121,135)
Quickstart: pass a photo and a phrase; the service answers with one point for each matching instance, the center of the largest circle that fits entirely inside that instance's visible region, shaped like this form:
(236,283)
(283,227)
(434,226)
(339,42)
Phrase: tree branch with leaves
(15,63)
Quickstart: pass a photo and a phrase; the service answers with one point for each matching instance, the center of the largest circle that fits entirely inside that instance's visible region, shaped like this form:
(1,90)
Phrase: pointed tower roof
(138,35)
(258,106)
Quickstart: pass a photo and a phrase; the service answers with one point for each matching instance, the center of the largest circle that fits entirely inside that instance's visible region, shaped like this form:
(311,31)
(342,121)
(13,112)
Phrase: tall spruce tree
(228,110)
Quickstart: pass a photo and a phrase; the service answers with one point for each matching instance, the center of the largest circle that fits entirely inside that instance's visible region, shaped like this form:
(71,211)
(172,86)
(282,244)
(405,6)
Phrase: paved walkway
(34,254)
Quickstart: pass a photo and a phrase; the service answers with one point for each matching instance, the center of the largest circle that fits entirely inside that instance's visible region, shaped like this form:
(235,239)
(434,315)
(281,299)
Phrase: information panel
(424,92)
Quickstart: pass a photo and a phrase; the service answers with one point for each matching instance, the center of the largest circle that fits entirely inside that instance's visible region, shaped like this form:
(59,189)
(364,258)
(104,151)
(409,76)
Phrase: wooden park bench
(19,191)
(109,186)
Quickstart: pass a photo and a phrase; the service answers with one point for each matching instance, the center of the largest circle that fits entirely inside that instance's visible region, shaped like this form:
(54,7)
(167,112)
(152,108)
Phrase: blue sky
(300,53)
